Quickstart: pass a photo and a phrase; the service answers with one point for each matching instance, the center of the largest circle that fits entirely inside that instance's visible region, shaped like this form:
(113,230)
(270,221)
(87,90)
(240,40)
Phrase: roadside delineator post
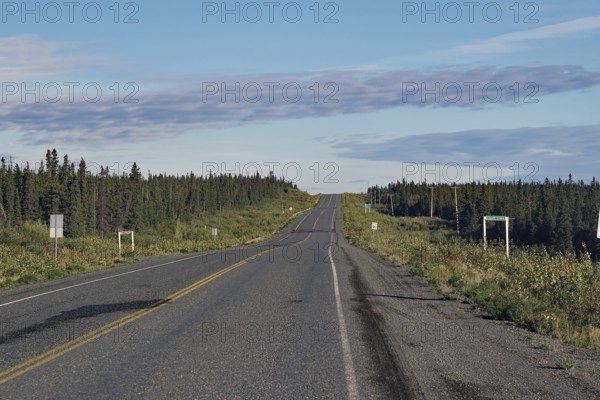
(56,231)
(598,233)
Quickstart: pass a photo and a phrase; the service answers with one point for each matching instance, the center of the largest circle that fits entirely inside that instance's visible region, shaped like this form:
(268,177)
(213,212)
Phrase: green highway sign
(499,218)
(367,205)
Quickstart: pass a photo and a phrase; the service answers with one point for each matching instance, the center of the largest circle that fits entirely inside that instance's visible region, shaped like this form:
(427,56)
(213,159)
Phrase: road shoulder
(430,347)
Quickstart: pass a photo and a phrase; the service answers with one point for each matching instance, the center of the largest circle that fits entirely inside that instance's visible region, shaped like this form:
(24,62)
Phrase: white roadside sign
(56,226)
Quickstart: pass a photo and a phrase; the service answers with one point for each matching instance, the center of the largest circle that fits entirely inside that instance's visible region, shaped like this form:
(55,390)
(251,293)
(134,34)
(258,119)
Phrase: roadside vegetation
(27,252)
(169,214)
(560,215)
(557,295)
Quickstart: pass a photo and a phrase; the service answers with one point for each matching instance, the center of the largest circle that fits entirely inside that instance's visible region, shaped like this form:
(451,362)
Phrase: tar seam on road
(348,364)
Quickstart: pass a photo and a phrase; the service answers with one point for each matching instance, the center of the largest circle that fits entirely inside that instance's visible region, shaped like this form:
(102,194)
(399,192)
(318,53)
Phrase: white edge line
(301,221)
(118,275)
(105,278)
(347,353)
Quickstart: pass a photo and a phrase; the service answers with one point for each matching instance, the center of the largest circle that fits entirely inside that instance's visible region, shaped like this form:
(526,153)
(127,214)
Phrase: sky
(334,96)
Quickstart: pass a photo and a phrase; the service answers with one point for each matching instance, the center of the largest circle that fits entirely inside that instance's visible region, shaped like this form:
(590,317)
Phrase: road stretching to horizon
(302,315)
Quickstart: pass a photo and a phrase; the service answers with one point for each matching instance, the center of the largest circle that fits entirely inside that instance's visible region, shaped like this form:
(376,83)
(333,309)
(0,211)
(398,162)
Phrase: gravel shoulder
(432,348)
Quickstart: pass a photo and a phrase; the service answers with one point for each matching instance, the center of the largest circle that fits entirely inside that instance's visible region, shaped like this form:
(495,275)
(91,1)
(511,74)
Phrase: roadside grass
(566,363)
(27,253)
(547,345)
(557,296)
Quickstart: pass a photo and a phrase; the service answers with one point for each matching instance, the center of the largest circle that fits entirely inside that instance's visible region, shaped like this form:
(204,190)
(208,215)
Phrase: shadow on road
(79,313)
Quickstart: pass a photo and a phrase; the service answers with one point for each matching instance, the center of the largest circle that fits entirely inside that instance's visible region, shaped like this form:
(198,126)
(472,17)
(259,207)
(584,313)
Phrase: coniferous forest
(560,215)
(99,203)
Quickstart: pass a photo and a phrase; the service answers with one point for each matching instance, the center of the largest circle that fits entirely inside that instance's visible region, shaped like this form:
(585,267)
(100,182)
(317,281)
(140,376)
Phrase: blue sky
(337,96)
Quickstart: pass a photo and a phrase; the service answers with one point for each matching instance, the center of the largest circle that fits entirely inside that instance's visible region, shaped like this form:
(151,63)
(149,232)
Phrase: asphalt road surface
(301,316)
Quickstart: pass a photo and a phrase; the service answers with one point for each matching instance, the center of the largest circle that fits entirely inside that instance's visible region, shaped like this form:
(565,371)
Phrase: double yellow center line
(58,351)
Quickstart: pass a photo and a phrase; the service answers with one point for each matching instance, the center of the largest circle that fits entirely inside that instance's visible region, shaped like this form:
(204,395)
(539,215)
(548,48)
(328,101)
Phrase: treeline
(560,215)
(99,203)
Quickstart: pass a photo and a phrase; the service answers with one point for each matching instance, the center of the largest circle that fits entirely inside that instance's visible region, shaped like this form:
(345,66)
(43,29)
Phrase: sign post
(497,218)
(56,231)
(132,241)
(373,228)
(368,207)
(598,233)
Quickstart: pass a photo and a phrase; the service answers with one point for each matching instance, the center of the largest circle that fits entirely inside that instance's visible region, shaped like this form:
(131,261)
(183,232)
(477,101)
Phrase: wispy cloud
(556,151)
(28,57)
(552,152)
(515,41)
(219,102)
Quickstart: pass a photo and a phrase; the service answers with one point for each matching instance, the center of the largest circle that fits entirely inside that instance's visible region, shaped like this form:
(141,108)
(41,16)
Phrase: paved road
(303,315)
(266,321)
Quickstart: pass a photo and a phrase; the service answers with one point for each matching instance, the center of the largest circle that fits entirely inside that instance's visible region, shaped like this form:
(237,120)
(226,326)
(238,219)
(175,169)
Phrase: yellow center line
(313,227)
(58,351)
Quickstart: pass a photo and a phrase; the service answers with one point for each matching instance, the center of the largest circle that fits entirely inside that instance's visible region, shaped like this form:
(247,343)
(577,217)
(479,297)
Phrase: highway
(264,321)
(300,316)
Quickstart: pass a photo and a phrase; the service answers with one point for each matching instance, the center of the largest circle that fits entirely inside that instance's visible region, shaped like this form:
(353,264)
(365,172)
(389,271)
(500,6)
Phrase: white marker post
(507,244)
(497,218)
(484,235)
(132,241)
(56,231)
(598,233)
(373,228)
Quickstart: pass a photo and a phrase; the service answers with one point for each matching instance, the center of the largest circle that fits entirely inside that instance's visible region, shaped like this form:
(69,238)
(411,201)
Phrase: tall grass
(558,296)
(27,252)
